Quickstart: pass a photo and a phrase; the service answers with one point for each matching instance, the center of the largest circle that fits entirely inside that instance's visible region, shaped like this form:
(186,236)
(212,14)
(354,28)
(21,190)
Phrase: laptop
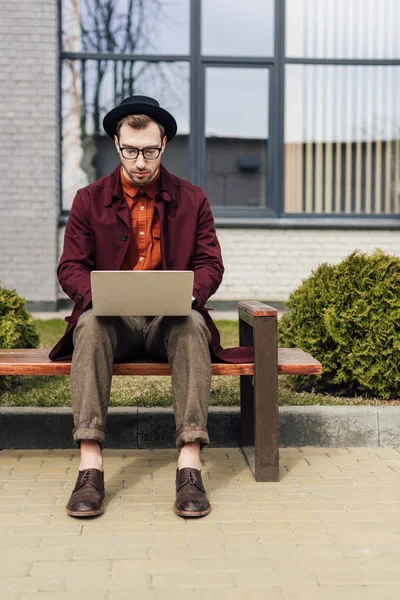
(141,293)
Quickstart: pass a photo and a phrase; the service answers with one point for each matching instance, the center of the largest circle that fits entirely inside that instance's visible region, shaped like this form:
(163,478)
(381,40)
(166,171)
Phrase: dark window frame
(272,215)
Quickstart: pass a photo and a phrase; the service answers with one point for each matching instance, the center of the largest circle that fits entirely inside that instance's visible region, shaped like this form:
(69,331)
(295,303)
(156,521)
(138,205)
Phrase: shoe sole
(92,513)
(191,513)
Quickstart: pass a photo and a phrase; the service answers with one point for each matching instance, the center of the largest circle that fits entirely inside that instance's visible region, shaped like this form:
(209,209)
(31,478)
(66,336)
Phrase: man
(140,217)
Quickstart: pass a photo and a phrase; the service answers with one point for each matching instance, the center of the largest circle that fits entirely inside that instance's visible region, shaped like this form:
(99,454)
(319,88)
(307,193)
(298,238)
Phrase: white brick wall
(267,264)
(29,148)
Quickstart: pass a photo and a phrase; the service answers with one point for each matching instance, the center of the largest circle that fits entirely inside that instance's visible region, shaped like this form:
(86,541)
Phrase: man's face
(140,170)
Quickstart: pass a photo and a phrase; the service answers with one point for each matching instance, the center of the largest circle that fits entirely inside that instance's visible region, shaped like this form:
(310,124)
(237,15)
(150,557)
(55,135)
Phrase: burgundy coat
(98,234)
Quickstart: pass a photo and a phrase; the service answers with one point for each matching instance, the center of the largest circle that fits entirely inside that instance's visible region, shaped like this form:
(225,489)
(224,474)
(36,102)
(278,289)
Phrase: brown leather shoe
(88,494)
(191,499)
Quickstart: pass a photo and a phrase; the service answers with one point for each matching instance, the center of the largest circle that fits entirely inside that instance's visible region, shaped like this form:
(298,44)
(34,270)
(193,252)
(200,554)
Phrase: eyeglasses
(148,153)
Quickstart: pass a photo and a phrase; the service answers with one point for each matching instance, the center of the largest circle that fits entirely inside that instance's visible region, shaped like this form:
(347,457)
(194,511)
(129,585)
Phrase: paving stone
(17,584)
(137,582)
(125,568)
(353,592)
(211,581)
(60,596)
(296,577)
(117,552)
(359,575)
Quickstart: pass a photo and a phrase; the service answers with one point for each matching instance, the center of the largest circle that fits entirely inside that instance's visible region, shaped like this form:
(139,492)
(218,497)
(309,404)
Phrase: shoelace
(86,477)
(191,479)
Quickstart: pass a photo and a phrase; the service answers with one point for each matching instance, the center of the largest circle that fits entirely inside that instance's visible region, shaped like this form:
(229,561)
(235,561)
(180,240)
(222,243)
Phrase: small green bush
(17,328)
(348,317)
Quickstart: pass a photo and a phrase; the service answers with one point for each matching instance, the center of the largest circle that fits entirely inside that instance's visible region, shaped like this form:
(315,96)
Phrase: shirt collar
(115,193)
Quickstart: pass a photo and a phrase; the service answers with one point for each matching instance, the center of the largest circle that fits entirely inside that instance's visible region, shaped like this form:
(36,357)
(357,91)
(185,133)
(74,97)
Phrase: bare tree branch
(123,26)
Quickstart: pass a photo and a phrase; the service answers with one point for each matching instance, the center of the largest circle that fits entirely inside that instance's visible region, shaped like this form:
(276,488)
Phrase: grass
(153,391)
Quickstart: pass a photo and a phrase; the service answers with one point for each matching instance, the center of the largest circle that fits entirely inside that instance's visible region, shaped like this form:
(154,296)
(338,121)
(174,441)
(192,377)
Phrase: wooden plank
(294,361)
(36,362)
(257,309)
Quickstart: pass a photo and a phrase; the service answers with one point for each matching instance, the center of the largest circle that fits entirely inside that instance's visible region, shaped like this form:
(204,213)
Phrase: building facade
(287,111)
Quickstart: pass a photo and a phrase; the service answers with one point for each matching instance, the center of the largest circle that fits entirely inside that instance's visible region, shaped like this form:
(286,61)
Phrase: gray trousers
(182,341)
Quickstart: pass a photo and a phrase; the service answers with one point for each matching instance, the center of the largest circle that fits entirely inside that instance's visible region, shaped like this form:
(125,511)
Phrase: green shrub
(348,317)
(17,328)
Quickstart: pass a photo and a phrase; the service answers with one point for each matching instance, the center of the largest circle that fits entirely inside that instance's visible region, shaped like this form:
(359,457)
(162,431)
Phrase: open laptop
(141,293)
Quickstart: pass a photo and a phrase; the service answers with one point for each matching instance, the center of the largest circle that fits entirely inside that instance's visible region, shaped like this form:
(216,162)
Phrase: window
(237,28)
(342,139)
(343,29)
(96,76)
(126,26)
(236,136)
(93,87)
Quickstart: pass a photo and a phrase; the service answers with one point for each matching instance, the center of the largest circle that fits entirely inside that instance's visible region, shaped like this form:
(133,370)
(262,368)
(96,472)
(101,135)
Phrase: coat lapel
(116,201)
(122,211)
(159,206)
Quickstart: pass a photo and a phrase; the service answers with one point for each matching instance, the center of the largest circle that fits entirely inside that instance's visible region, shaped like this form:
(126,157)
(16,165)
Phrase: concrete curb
(320,426)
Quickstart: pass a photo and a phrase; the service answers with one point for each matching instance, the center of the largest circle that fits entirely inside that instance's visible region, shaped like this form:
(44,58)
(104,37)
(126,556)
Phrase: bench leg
(246,410)
(246,392)
(259,404)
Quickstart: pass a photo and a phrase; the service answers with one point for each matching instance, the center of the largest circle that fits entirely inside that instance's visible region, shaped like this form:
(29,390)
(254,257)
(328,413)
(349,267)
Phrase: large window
(342,115)
(285,108)
(342,139)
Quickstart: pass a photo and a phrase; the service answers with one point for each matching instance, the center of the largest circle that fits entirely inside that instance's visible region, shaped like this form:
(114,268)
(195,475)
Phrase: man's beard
(148,177)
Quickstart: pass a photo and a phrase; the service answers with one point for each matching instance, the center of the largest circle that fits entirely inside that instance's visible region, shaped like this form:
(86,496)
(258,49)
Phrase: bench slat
(36,362)
(256,309)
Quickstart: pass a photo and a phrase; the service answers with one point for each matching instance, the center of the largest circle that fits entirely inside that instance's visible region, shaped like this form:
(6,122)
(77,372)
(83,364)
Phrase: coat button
(124,237)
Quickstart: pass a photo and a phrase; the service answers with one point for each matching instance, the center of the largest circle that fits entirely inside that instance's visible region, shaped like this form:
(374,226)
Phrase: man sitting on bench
(140,217)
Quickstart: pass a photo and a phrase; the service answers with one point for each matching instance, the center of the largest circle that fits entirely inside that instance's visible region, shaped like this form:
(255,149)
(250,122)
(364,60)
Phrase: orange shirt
(145,246)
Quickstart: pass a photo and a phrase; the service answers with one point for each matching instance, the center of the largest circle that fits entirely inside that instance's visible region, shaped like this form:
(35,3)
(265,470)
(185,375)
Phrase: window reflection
(237,132)
(342,139)
(126,26)
(238,28)
(90,88)
(343,28)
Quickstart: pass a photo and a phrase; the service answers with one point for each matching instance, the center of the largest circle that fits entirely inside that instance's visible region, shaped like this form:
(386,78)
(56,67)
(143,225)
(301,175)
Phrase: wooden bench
(258,381)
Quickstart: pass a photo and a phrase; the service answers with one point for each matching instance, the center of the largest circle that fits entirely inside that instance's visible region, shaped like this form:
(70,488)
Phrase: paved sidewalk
(329,530)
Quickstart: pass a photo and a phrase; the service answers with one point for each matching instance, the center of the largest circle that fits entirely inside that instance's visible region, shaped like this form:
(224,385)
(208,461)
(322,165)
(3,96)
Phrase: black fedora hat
(140,105)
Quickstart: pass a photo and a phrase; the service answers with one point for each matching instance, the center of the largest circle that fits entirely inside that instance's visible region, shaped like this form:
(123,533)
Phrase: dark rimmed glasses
(147,153)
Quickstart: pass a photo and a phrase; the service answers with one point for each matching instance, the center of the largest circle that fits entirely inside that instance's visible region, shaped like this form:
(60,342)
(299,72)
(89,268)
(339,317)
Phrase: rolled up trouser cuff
(192,433)
(89,431)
